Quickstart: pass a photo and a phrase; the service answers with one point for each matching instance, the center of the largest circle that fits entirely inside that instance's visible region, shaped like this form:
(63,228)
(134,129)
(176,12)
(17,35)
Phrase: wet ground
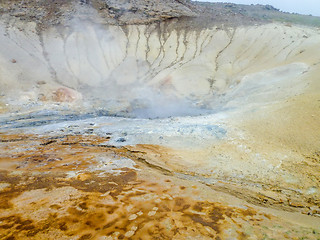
(80,187)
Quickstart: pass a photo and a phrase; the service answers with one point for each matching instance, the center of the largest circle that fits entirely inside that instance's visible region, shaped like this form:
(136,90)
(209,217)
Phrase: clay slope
(136,63)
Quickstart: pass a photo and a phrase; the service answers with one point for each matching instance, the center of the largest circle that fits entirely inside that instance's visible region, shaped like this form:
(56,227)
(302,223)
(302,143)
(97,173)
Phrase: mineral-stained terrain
(158,120)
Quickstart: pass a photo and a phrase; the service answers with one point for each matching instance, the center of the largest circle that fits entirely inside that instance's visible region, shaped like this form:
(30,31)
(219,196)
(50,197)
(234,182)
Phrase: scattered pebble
(132,217)
(152,213)
(129,233)
(121,140)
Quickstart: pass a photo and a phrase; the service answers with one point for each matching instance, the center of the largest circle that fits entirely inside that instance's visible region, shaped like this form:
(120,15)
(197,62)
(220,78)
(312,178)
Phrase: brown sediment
(168,160)
(52,158)
(41,199)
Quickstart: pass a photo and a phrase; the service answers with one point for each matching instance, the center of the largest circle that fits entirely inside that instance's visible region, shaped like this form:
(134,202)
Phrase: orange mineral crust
(58,188)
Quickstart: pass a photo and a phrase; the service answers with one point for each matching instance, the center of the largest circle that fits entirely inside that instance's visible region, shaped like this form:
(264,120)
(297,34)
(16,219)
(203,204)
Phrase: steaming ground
(158,127)
(153,71)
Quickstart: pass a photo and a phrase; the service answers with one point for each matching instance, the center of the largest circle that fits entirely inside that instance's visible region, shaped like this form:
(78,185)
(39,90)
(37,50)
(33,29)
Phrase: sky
(296,6)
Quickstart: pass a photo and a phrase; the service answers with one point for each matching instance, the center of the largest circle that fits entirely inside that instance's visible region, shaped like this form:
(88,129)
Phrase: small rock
(20,14)
(151,213)
(129,234)
(296,204)
(13,61)
(121,140)
(41,82)
(132,217)
(89,131)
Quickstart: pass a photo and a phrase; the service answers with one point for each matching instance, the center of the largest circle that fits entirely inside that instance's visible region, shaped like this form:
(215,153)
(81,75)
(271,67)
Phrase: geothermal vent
(158,120)
(154,70)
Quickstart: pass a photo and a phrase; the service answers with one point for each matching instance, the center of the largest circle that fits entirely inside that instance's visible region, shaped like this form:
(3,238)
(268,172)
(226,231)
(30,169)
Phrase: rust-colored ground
(58,188)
